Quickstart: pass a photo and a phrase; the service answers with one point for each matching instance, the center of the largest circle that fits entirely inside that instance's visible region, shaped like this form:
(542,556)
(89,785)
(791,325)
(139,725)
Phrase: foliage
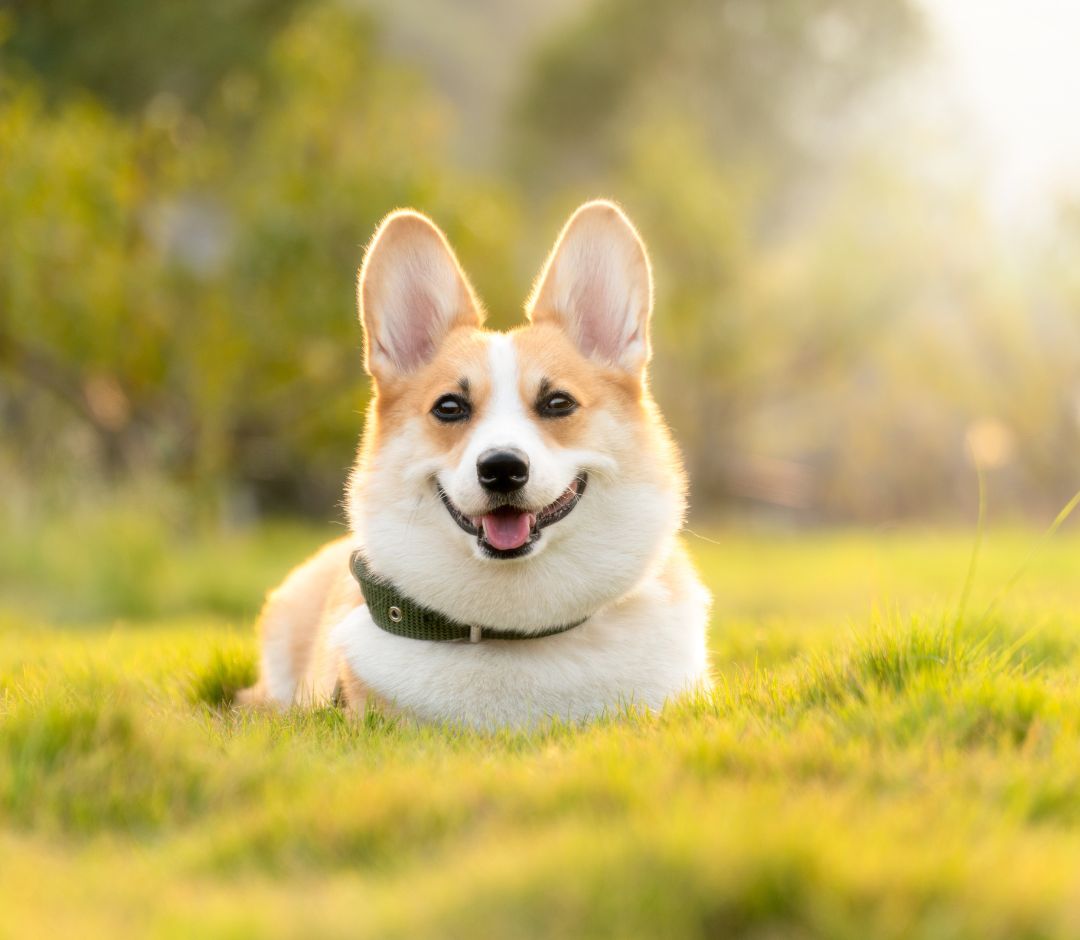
(125,52)
(182,283)
(853,775)
(191,185)
(750,78)
(834,324)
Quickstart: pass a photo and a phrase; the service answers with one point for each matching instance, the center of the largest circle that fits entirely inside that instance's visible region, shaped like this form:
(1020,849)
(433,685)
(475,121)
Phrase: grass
(869,765)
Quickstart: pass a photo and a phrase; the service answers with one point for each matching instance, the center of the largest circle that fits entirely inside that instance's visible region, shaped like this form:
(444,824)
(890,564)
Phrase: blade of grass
(1059,521)
(973,562)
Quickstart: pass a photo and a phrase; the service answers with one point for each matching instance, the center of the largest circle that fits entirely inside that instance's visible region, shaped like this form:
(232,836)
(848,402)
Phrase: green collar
(395,613)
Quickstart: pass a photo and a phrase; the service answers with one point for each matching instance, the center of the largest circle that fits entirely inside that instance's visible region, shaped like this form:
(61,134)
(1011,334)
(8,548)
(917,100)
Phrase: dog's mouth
(510,531)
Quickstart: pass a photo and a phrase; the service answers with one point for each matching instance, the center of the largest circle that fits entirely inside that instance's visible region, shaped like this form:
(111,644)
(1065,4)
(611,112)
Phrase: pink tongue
(507,529)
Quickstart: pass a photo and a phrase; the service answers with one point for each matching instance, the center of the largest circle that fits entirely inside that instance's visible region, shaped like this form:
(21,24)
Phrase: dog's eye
(451,408)
(557,405)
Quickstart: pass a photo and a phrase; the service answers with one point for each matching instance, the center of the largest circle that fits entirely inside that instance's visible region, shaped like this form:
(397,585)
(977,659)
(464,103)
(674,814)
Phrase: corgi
(514,511)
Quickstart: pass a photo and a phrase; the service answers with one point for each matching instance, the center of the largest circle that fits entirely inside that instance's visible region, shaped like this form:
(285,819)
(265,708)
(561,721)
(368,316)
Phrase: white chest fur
(639,651)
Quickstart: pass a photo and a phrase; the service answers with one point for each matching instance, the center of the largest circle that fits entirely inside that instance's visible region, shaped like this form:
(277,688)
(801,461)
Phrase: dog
(514,553)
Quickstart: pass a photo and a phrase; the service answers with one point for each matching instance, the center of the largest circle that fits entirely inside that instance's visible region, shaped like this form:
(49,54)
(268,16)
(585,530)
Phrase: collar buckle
(476,633)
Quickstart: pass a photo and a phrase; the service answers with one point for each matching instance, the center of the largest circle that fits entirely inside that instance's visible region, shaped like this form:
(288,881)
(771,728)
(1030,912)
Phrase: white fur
(639,651)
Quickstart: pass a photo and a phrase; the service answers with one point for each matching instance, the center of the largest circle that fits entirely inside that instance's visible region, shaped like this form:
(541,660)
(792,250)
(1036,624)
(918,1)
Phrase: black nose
(502,471)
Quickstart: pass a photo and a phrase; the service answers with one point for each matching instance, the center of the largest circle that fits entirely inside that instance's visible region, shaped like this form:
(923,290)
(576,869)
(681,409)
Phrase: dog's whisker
(417,506)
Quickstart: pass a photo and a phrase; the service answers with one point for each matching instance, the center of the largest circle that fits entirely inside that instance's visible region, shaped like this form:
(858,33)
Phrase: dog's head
(519,480)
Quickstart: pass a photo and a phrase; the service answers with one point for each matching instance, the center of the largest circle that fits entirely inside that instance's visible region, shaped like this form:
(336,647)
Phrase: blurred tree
(181,284)
(726,128)
(186,188)
(126,52)
(757,81)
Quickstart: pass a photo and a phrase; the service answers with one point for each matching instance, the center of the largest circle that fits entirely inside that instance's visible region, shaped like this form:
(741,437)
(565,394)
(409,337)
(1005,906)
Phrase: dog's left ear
(597,286)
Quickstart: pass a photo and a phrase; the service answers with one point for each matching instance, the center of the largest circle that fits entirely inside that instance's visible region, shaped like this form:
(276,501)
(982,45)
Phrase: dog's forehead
(503,375)
(485,361)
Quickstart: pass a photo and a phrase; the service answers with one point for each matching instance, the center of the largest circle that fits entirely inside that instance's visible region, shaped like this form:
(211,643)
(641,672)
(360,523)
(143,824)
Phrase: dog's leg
(291,625)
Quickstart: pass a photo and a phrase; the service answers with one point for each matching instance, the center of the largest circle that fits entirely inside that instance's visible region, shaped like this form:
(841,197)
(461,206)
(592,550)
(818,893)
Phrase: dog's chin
(508,530)
(594,555)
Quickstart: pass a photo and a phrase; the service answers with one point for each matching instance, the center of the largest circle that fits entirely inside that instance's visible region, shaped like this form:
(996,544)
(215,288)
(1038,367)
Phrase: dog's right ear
(410,292)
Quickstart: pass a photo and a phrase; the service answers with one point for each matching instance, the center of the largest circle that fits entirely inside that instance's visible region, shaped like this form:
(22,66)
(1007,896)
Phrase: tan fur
(314,596)
(545,353)
(462,356)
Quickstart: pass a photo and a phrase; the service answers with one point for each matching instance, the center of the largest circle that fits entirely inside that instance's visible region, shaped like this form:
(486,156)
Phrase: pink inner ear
(600,310)
(414,340)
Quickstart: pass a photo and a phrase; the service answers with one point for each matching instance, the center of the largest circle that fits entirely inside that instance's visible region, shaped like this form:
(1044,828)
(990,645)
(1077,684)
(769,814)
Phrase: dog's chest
(638,652)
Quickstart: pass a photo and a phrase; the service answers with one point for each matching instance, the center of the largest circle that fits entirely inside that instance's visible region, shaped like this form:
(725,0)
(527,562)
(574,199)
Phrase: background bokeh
(864,217)
(851,313)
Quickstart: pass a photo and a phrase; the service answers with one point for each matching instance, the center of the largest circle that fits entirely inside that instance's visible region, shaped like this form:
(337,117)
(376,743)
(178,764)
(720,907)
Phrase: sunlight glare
(1015,65)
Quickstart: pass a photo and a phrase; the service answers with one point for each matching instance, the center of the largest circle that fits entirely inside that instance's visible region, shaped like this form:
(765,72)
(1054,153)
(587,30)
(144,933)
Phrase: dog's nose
(502,471)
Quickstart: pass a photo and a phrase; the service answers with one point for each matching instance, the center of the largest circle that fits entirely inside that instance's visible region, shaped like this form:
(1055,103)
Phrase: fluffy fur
(614,559)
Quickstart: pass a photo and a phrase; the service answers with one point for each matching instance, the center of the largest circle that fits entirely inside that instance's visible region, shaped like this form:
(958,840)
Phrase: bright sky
(1015,65)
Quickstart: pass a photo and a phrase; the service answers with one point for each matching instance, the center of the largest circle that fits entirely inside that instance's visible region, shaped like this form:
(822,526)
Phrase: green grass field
(870,764)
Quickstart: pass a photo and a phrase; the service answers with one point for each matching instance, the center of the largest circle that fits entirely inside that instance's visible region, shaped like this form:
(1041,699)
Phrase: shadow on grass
(217,681)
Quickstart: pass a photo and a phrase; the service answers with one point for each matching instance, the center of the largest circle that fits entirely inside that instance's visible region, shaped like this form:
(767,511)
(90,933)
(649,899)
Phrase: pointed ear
(410,292)
(597,286)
